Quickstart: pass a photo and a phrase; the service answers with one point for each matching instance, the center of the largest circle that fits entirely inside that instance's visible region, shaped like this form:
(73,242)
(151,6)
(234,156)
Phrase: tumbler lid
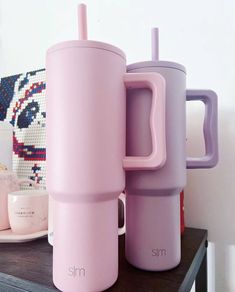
(86,44)
(155,57)
(163,64)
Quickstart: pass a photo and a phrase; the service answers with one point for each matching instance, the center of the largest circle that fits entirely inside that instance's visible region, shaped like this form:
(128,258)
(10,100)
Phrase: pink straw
(82,22)
(155,44)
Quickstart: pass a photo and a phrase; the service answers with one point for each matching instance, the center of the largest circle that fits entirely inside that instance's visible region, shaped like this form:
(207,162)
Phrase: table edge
(20,285)
(190,277)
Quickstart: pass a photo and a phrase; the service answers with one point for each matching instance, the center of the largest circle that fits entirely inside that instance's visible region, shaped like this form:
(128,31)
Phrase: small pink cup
(8,183)
(28,211)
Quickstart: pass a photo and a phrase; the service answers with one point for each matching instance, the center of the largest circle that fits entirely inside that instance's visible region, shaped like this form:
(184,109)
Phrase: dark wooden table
(27,267)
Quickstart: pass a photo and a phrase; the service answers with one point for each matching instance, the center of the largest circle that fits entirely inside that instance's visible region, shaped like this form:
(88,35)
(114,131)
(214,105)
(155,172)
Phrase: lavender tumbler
(153,196)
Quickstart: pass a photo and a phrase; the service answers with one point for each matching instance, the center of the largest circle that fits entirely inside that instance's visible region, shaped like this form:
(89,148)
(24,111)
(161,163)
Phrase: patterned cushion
(22,103)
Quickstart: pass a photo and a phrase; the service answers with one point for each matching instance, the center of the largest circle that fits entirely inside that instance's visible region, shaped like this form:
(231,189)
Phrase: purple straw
(155,44)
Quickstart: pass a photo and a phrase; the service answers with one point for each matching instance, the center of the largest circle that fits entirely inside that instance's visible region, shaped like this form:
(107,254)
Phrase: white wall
(199,34)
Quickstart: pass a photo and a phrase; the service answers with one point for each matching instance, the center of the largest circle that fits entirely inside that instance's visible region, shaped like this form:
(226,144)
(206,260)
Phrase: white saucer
(7,236)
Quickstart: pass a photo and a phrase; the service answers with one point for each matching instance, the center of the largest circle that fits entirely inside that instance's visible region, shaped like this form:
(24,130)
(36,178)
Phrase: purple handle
(210,129)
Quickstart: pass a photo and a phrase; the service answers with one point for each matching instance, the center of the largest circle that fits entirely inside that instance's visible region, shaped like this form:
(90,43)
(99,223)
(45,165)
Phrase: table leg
(201,279)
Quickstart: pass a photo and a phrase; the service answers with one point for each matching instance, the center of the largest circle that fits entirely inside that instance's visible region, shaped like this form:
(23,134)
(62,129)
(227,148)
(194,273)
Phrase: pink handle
(27,180)
(156,83)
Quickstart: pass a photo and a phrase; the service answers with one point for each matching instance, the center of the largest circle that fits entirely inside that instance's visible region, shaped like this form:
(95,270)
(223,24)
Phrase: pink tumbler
(86,132)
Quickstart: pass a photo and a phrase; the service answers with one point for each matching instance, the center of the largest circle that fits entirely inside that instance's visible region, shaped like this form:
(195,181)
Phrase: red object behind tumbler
(182,226)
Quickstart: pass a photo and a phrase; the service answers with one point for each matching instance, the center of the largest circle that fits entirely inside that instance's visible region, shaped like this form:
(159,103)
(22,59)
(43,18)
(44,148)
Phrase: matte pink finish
(85,253)
(157,157)
(121,230)
(86,131)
